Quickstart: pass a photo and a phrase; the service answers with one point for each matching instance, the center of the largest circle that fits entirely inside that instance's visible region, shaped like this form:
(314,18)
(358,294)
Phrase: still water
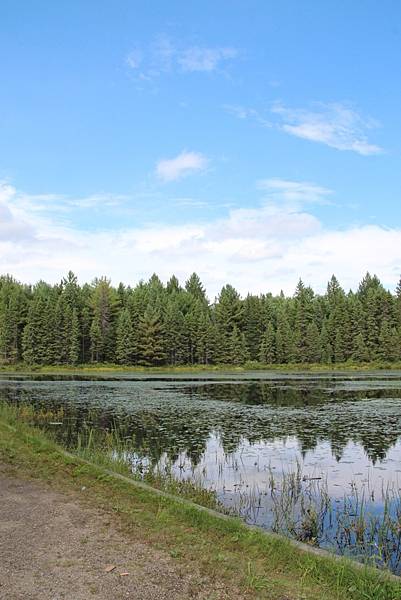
(239,434)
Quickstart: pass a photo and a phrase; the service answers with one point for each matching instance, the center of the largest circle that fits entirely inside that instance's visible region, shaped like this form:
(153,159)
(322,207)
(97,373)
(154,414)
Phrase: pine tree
(125,339)
(102,333)
(150,339)
(389,343)
(75,339)
(284,341)
(207,342)
(361,352)
(96,340)
(195,289)
(267,352)
(175,333)
(36,342)
(122,294)
(304,312)
(28,342)
(86,321)
(252,325)
(154,323)
(326,351)
(237,350)
(12,315)
(191,328)
(173,286)
(61,331)
(229,310)
(312,344)
(339,347)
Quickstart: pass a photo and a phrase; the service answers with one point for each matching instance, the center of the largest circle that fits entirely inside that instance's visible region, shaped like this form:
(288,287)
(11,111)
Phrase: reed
(360,525)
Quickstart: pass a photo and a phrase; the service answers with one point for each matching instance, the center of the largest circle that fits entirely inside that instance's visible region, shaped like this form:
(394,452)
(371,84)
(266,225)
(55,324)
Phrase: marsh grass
(197,368)
(299,507)
(113,450)
(262,566)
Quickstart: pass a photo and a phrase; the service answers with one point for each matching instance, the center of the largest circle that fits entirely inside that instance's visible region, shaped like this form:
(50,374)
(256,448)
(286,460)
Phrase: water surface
(232,433)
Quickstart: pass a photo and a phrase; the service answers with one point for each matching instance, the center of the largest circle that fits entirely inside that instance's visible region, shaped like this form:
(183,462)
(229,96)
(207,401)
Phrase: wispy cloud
(204,59)
(190,203)
(336,125)
(134,59)
(295,193)
(172,169)
(242,112)
(164,56)
(44,203)
(97,201)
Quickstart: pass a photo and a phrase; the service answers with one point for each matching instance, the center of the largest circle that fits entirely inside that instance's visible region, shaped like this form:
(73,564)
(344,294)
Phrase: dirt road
(54,548)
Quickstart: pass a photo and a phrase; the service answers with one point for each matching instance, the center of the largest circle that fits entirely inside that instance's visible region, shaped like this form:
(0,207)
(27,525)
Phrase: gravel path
(53,548)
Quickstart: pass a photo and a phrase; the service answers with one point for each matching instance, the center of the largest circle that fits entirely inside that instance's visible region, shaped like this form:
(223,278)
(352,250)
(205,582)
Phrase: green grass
(262,566)
(223,368)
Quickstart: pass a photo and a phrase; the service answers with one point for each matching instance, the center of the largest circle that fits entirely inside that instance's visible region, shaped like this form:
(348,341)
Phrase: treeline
(154,324)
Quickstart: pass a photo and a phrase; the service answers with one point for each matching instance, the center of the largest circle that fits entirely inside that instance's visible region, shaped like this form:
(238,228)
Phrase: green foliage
(267,351)
(125,345)
(153,324)
(284,339)
(237,350)
(150,336)
(361,352)
(312,344)
(74,341)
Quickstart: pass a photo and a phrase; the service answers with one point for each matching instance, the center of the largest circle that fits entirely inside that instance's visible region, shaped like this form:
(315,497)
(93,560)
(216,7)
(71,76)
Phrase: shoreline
(24,369)
(200,534)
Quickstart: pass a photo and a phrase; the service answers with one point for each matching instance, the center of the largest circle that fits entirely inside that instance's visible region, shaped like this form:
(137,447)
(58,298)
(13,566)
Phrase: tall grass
(360,525)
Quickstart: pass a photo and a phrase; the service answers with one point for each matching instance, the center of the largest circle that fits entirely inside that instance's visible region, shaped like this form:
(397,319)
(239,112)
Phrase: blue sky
(253,142)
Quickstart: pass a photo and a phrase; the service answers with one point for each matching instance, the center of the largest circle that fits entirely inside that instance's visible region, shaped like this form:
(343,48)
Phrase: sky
(254,142)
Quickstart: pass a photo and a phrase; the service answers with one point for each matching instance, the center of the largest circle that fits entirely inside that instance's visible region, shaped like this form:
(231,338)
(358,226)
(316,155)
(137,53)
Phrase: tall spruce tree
(237,350)
(361,352)
(284,340)
(74,346)
(125,346)
(151,347)
(267,350)
(312,344)
(304,313)
(152,323)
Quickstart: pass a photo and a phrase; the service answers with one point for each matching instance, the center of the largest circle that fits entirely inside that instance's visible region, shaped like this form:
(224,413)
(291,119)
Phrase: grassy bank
(223,368)
(263,566)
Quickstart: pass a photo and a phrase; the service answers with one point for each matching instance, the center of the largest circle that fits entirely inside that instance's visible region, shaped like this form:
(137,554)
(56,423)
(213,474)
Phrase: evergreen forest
(153,324)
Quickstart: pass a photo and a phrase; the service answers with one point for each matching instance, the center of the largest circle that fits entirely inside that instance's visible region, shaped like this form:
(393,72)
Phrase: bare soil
(54,548)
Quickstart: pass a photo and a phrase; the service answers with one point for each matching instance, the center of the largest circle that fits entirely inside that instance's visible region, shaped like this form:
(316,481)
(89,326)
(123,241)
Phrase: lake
(304,454)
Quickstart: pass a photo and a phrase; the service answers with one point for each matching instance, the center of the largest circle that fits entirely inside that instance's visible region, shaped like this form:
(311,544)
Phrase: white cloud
(13,225)
(242,112)
(204,59)
(171,169)
(97,201)
(48,203)
(294,192)
(190,203)
(335,125)
(165,56)
(260,249)
(134,59)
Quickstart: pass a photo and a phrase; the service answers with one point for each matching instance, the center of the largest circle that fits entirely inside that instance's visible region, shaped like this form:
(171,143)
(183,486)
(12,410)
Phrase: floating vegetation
(317,459)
